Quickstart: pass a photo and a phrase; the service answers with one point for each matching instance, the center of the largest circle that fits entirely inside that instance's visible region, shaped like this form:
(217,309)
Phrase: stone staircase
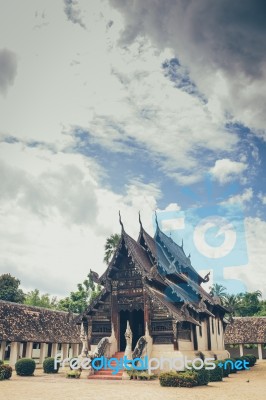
(106,374)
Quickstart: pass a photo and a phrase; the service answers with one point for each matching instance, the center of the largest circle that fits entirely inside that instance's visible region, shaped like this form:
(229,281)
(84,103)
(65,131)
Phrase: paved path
(57,387)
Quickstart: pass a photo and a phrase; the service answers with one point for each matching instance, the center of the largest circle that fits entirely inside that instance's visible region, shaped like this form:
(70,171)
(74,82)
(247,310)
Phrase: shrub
(74,374)
(48,366)
(226,369)
(25,367)
(203,375)
(178,379)
(216,374)
(231,362)
(5,372)
(252,359)
(1,362)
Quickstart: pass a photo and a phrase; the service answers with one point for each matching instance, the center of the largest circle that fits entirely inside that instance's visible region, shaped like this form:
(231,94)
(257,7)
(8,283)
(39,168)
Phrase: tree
(111,246)
(232,301)
(249,303)
(34,298)
(219,291)
(9,289)
(78,301)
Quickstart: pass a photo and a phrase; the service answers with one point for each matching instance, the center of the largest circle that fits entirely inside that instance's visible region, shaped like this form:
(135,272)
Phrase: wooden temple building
(152,284)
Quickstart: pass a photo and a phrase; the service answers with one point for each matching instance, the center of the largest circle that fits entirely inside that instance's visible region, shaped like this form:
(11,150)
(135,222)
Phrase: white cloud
(262,198)
(119,95)
(252,274)
(55,215)
(226,170)
(225,56)
(243,198)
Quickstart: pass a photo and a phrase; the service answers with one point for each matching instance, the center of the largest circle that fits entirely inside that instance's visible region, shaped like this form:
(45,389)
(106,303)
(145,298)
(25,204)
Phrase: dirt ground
(245,385)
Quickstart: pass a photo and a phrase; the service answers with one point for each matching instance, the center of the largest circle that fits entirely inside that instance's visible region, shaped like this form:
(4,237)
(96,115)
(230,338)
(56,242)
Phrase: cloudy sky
(126,105)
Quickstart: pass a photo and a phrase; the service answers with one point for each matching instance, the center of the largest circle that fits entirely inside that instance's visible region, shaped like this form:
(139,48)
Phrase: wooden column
(146,301)
(241,349)
(29,350)
(114,310)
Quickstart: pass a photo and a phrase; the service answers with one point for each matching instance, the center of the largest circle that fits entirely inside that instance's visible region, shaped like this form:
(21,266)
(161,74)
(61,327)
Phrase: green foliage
(25,367)
(218,290)
(78,301)
(226,369)
(216,374)
(252,359)
(110,247)
(179,379)
(5,372)
(48,366)
(34,298)
(203,375)
(9,289)
(230,362)
(73,374)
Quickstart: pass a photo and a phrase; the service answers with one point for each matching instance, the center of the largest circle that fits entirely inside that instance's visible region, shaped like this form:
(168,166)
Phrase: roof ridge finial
(182,243)
(141,227)
(120,221)
(156,219)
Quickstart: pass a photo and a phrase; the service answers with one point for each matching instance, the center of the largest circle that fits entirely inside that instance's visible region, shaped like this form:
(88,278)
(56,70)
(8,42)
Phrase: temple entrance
(136,322)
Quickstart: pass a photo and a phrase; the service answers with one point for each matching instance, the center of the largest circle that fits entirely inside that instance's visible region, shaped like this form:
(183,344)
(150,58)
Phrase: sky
(131,106)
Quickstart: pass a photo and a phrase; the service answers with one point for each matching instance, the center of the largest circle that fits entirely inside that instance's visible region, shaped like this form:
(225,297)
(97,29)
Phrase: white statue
(84,340)
(128,336)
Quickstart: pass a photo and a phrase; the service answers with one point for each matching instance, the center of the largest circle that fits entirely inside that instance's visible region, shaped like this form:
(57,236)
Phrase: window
(184,331)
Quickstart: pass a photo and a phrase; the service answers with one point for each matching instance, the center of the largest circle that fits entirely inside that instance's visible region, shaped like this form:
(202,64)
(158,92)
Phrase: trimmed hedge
(216,374)
(178,379)
(252,359)
(5,372)
(48,366)
(203,375)
(25,367)
(226,369)
(231,364)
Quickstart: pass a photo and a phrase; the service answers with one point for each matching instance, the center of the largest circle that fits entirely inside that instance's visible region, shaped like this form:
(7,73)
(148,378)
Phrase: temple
(152,284)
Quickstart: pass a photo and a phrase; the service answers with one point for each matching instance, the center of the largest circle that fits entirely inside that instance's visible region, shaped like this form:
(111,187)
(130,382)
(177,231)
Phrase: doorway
(136,322)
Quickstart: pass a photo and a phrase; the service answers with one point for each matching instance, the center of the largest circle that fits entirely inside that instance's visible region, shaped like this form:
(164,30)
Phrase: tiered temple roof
(167,273)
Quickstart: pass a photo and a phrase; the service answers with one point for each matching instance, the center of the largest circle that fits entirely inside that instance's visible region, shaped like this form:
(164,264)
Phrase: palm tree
(110,247)
(232,302)
(218,290)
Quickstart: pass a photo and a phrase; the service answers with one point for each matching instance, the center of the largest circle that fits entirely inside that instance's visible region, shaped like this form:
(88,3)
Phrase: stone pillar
(75,350)
(65,347)
(43,352)
(241,349)
(54,349)
(260,351)
(14,349)
(2,350)
(29,349)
